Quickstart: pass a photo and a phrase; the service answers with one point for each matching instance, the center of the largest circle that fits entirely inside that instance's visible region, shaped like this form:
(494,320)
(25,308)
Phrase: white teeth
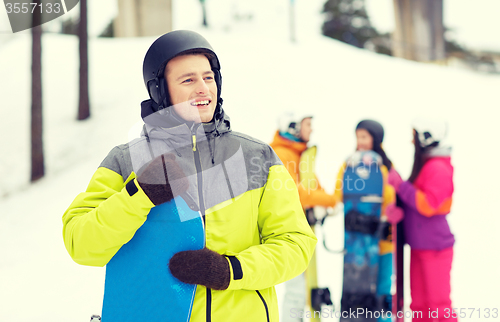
(205,102)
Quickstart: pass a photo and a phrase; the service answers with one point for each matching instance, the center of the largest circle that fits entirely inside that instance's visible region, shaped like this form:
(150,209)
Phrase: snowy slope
(264,75)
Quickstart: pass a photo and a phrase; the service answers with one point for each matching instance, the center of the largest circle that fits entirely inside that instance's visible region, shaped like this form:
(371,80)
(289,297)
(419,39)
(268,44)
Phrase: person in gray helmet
(256,233)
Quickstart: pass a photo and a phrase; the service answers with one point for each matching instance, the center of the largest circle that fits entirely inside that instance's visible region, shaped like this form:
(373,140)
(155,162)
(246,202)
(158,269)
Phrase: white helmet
(289,122)
(430,132)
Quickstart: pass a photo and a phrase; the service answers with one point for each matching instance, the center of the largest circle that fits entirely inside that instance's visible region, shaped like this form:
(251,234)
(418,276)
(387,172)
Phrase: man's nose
(202,87)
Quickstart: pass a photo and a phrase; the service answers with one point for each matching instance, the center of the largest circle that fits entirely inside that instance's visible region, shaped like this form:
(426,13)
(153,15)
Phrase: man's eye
(209,78)
(189,80)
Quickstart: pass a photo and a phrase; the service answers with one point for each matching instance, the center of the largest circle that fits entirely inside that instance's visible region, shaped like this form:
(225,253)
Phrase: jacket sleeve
(339,184)
(309,196)
(433,197)
(287,241)
(104,217)
(315,196)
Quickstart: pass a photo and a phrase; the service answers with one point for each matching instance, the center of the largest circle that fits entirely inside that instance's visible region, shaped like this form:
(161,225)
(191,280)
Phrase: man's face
(305,129)
(364,140)
(192,87)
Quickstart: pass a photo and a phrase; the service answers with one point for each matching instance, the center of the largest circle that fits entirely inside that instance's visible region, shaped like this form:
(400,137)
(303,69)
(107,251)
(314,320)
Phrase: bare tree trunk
(204,11)
(403,41)
(437,26)
(37,159)
(419,32)
(83,102)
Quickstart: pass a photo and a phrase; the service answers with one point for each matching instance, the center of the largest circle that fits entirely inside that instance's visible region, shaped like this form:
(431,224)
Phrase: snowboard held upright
(363,290)
(138,285)
(316,296)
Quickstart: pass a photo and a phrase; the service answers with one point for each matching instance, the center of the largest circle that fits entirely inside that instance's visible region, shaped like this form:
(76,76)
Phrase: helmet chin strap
(162,93)
(218,110)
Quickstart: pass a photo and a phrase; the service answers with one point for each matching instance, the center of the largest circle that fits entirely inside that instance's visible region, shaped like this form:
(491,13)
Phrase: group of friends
(256,233)
(421,202)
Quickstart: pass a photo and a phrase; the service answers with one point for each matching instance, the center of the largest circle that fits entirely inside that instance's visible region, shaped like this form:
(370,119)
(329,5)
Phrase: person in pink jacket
(425,199)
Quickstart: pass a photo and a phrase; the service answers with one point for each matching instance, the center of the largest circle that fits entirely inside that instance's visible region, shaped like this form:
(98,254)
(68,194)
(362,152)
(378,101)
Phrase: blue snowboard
(362,193)
(139,286)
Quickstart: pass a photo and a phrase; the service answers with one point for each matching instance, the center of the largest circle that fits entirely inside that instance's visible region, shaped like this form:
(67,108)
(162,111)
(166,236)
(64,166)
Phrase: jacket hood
(280,141)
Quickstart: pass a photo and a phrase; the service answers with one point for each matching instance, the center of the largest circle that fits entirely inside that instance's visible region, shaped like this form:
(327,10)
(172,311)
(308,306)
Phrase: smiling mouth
(201,103)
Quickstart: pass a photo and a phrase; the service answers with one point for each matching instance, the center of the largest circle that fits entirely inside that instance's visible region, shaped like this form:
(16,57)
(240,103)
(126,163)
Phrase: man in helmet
(256,233)
(289,142)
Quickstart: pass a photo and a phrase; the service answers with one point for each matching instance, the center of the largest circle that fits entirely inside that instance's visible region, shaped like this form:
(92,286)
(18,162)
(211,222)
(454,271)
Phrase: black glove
(203,267)
(162,179)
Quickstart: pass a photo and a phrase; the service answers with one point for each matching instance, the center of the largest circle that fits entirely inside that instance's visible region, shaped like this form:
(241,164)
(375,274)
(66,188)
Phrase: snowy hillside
(263,75)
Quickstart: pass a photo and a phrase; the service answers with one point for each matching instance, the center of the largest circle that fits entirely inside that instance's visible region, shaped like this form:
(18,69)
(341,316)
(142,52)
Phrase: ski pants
(430,285)
(295,299)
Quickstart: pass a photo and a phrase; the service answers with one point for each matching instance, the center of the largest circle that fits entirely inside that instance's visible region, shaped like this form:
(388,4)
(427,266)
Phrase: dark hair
(385,159)
(376,131)
(418,159)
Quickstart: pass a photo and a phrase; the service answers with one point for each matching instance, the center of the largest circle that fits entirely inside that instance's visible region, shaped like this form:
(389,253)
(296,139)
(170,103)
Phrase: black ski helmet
(165,48)
(374,128)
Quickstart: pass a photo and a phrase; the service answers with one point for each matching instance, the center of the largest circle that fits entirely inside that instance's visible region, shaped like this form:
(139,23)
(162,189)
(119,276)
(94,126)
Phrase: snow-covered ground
(264,75)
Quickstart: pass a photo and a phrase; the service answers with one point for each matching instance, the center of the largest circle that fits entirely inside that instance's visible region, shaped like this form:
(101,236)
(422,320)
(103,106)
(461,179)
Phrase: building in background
(139,18)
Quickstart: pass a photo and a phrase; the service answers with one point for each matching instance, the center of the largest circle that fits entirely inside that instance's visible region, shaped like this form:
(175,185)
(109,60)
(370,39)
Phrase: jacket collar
(438,151)
(164,125)
(297,147)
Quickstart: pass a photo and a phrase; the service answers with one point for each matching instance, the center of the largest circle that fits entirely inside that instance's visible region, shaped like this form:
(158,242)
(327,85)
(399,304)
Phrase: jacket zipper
(197,162)
(265,304)
(209,305)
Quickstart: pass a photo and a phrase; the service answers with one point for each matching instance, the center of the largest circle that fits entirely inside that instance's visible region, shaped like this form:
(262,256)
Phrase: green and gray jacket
(250,204)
